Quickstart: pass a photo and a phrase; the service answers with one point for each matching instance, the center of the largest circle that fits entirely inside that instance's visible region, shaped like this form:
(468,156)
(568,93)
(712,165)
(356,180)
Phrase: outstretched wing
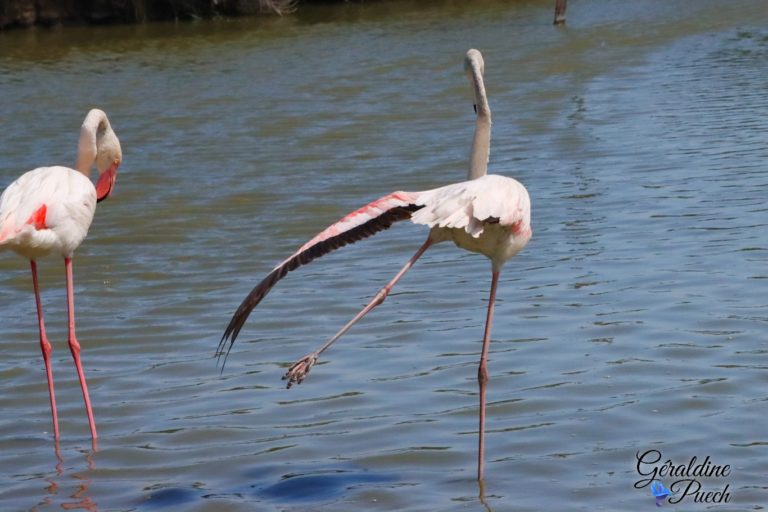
(362,223)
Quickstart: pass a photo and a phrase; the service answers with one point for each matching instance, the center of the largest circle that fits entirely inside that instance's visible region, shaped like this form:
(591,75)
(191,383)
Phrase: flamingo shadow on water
(488,214)
(49,209)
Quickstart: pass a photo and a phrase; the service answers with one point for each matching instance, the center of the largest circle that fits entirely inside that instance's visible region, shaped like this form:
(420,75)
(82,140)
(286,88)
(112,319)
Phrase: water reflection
(52,488)
(481,495)
(81,479)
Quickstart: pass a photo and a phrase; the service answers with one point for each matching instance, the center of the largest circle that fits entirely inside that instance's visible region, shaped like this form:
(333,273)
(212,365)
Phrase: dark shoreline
(47,13)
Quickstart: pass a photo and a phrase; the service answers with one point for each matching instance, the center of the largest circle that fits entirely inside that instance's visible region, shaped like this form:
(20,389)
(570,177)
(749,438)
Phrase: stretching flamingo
(50,209)
(489,214)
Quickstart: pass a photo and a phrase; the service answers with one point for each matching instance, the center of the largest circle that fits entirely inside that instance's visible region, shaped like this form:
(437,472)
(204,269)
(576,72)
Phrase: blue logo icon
(658,490)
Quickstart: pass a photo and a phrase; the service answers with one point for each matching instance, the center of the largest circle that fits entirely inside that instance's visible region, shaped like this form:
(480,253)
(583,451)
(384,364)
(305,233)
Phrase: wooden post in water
(560,12)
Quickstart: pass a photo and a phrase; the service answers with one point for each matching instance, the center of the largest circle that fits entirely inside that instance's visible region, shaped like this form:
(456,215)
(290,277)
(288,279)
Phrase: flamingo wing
(49,186)
(47,208)
(361,223)
(469,205)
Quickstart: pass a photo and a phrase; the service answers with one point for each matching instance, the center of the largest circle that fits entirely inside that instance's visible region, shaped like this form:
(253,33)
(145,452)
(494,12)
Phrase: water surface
(634,320)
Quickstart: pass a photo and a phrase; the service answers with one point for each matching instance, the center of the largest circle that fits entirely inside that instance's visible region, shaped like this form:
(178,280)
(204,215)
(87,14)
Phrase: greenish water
(634,320)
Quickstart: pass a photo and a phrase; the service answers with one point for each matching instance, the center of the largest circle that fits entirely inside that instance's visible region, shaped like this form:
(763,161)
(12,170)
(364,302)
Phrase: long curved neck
(94,125)
(481,142)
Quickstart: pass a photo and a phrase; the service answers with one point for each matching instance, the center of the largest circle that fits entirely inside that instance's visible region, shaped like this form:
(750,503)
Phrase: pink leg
(46,348)
(299,370)
(74,346)
(482,373)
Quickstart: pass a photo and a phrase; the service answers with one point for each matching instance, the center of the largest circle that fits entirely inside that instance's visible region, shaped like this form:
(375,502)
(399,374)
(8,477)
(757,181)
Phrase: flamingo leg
(46,348)
(299,370)
(482,373)
(74,346)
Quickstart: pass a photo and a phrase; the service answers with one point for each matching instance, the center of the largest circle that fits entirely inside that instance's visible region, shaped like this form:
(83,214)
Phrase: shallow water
(634,320)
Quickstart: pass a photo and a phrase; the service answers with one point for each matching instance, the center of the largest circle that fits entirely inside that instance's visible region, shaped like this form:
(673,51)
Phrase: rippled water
(634,320)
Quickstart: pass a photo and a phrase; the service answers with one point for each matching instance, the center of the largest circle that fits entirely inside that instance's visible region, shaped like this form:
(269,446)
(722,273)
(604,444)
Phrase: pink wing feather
(361,223)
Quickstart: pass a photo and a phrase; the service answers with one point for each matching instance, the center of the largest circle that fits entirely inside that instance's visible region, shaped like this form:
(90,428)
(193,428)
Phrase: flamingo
(49,209)
(487,214)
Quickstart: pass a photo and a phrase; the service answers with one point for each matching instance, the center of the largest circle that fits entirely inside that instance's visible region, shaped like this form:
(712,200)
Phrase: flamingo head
(99,145)
(474,68)
(108,158)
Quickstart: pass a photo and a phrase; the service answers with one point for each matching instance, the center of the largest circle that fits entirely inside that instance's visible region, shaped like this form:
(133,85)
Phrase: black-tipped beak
(106,182)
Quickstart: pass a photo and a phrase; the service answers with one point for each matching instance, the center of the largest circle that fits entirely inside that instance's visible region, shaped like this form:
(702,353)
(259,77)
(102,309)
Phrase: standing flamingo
(49,209)
(489,214)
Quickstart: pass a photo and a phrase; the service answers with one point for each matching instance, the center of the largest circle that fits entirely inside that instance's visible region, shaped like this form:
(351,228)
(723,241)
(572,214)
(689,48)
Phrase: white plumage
(70,202)
(490,215)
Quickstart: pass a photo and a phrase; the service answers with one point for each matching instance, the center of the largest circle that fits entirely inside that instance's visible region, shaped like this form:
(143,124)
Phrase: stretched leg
(74,346)
(300,369)
(46,348)
(482,372)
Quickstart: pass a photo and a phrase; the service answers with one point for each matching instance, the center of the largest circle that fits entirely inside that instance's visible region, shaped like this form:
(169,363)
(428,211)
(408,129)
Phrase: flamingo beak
(106,182)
